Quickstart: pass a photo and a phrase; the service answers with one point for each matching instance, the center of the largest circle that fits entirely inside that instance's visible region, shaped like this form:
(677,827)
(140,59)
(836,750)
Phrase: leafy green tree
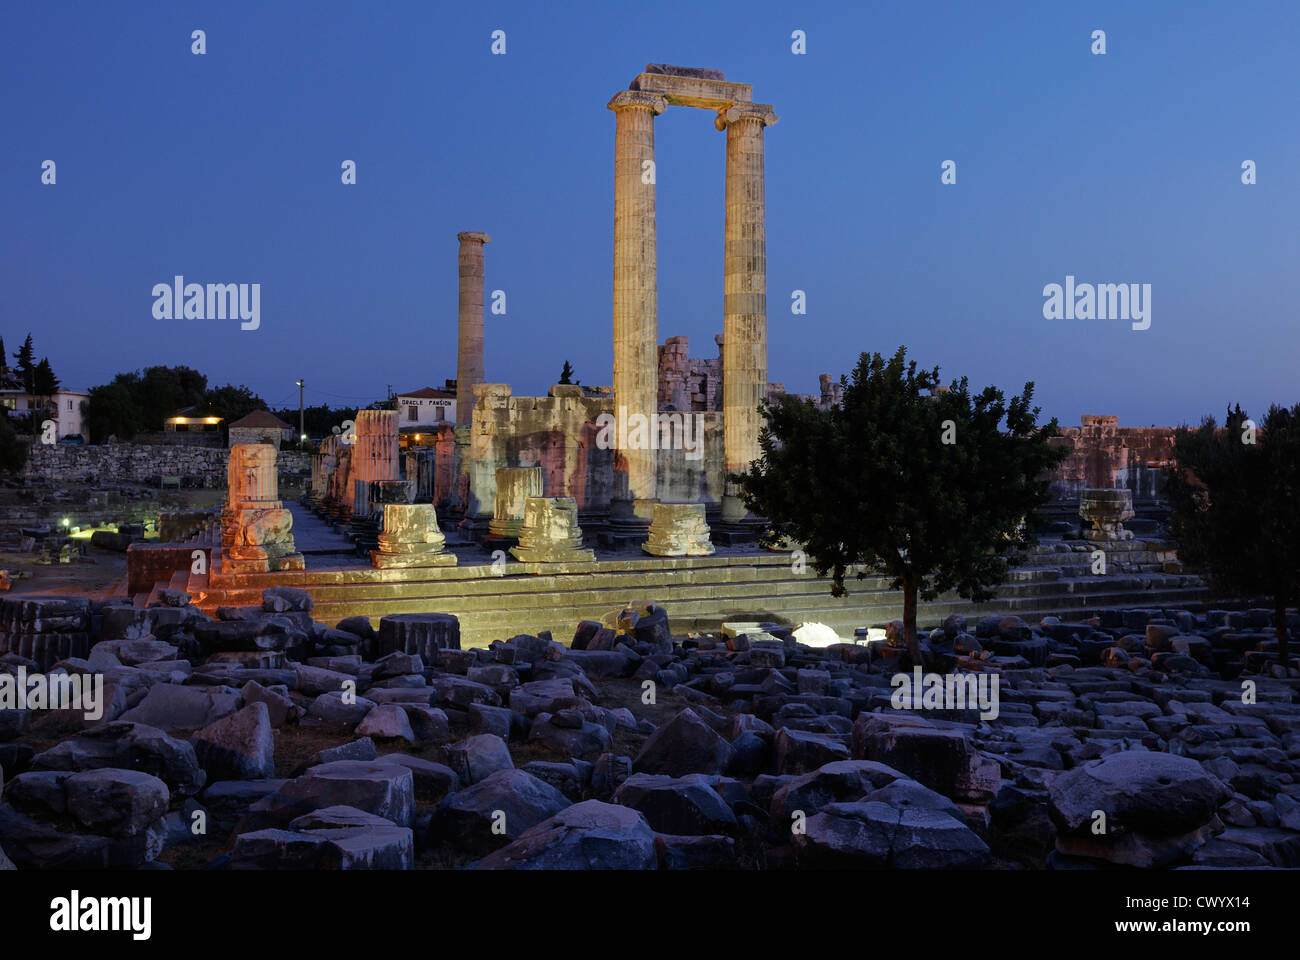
(1234,496)
(13,448)
(938,489)
(44,382)
(566,374)
(161,391)
(26,369)
(111,411)
(44,386)
(231,403)
(318,421)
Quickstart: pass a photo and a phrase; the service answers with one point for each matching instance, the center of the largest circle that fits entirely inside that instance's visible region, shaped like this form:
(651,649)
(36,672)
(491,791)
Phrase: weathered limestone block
(551,533)
(265,526)
(411,538)
(419,634)
(514,486)
(678,530)
(1107,510)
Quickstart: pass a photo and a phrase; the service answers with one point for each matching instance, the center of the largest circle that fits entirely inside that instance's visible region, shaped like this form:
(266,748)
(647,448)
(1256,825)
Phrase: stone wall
(198,467)
(559,434)
(1104,454)
(694,383)
(685,382)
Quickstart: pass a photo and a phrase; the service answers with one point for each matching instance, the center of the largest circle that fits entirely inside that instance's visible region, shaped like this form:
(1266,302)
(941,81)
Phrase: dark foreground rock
(1156,737)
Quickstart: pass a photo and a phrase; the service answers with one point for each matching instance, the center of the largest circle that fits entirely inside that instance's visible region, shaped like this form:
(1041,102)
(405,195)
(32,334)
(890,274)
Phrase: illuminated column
(636,296)
(374,454)
(744,348)
(469,351)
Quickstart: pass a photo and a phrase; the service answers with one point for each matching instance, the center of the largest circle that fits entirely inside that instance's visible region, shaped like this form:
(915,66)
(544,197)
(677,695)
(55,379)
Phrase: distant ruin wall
(685,382)
(198,467)
(560,434)
(1104,454)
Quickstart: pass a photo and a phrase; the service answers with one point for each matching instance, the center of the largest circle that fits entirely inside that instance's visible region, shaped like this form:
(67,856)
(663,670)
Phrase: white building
(66,404)
(426,408)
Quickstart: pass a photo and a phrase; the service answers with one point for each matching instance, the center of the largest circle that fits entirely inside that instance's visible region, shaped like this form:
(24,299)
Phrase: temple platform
(497,600)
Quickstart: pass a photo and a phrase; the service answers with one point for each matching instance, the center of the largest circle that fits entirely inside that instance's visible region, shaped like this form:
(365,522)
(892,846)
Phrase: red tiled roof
(262,418)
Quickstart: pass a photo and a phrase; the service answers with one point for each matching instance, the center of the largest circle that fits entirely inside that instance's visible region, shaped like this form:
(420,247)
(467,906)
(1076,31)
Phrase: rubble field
(262,739)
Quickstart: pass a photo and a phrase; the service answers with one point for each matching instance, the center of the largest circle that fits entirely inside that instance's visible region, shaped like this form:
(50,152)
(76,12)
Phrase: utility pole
(302,431)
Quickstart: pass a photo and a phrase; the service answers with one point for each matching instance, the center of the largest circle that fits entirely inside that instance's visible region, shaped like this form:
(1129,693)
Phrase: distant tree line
(318,421)
(1234,494)
(32,378)
(141,401)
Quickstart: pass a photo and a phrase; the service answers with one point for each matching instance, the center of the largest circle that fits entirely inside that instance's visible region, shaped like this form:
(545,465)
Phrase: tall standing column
(636,295)
(469,351)
(744,347)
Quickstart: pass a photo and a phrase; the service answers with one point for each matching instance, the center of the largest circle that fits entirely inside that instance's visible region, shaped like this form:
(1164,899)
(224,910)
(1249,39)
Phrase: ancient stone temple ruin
(669,429)
(590,492)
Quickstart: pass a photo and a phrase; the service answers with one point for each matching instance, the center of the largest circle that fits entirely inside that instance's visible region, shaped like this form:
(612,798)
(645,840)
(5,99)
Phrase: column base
(475,528)
(736,526)
(505,529)
(398,561)
(260,560)
(628,524)
(679,530)
(734,509)
(552,554)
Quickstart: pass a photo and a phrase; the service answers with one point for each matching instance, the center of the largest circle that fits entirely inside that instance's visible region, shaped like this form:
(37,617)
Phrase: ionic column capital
(636,100)
(761,112)
(474,236)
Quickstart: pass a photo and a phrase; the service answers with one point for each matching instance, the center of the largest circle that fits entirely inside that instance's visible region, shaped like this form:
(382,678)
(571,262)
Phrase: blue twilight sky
(226,168)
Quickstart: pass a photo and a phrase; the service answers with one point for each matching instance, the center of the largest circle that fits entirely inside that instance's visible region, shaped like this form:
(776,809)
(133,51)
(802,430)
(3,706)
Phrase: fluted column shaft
(469,349)
(636,297)
(744,349)
(375,453)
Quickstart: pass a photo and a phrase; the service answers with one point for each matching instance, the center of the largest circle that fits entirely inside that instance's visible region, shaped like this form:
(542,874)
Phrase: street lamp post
(302,430)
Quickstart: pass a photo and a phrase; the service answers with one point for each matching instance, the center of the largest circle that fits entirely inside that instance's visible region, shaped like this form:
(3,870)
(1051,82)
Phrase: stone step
(196,584)
(699,592)
(859,609)
(362,583)
(697,618)
(614,591)
(367,582)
